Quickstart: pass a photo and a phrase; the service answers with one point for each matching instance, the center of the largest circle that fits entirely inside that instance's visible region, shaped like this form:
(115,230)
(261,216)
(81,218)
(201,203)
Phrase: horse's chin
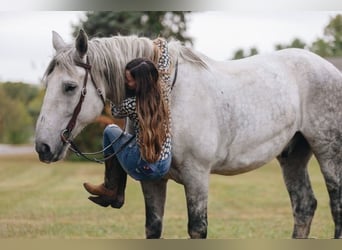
(49,160)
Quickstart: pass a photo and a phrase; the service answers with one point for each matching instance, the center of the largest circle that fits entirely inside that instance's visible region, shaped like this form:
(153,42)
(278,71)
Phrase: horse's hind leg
(332,175)
(293,161)
(154,195)
(329,155)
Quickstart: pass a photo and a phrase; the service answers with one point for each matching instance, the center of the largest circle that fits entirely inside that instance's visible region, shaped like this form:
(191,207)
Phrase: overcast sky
(26,47)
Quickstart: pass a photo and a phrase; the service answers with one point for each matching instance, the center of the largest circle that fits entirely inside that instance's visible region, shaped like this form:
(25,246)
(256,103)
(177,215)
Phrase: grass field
(48,201)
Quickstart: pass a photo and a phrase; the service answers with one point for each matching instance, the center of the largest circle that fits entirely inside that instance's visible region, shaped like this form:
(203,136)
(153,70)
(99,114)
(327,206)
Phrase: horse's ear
(57,41)
(82,43)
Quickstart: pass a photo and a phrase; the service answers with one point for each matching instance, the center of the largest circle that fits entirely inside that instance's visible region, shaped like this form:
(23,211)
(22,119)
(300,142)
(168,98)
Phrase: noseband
(66,133)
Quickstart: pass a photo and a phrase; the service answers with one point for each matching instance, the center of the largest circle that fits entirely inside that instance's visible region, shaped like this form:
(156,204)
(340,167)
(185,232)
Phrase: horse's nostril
(42,148)
(44,152)
(45,148)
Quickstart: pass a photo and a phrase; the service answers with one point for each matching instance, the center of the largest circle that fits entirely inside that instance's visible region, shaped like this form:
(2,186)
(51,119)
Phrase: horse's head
(66,78)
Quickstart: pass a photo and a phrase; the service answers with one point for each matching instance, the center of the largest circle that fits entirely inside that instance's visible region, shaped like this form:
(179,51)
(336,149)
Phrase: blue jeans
(130,158)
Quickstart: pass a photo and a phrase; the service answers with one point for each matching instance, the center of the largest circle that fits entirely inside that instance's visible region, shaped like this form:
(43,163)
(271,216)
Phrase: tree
(16,125)
(330,45)
(296,43)
(240,53)
(20,91)
(169,24)
(322,48)
(333,33)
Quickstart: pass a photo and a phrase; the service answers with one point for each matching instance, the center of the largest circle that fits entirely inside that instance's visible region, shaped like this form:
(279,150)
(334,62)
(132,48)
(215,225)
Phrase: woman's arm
(126,108)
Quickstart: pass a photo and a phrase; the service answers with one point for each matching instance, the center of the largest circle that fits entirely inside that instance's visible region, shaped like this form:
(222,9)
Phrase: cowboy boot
(112,191)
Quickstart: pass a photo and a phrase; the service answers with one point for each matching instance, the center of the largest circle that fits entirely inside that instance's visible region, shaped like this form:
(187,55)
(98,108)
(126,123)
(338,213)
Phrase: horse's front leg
(154,195)
(196,191)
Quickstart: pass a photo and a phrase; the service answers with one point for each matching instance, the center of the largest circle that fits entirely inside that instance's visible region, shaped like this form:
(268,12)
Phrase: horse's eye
(69,87)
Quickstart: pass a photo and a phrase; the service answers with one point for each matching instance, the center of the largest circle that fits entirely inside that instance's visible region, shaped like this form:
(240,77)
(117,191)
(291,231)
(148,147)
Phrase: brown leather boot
(112,191)
(99,190)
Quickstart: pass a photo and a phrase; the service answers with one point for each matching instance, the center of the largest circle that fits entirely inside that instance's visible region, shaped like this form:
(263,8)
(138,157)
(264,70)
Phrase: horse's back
(318,82)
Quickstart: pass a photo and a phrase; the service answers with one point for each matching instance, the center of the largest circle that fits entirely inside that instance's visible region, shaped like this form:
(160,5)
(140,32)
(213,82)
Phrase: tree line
(19,109)
(328,45)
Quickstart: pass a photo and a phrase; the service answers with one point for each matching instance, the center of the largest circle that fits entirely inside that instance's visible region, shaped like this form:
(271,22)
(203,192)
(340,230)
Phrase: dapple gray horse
(227,118)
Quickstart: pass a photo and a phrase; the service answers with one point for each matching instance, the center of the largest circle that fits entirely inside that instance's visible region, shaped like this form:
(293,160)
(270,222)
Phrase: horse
(283,105)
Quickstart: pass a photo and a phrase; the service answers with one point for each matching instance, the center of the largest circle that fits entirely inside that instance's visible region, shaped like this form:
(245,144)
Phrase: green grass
(48,201)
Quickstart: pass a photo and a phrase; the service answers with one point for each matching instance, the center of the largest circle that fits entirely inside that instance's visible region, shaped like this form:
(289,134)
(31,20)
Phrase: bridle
(66,133)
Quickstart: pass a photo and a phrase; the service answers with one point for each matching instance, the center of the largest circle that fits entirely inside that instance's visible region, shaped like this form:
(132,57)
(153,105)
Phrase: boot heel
(117,204)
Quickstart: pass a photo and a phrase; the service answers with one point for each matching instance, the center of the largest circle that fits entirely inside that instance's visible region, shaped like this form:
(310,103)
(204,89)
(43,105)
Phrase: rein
(66,133)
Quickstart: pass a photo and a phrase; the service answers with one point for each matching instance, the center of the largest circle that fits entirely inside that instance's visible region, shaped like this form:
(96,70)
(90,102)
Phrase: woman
(148,155)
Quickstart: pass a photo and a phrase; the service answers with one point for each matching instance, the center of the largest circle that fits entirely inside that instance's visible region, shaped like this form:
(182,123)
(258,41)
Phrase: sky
(26,36)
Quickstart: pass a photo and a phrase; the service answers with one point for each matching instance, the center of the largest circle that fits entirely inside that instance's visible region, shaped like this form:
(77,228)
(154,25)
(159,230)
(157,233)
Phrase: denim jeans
(130,158)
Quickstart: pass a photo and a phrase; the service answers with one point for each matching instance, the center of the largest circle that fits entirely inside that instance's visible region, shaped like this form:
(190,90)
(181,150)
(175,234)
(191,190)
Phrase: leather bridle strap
(87,67)
(66,133)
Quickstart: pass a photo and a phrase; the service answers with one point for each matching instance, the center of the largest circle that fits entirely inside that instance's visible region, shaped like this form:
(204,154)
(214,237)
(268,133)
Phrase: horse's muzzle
(44,152)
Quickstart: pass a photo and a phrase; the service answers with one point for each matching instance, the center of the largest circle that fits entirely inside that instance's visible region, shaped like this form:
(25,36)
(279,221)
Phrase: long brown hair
(152,109)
